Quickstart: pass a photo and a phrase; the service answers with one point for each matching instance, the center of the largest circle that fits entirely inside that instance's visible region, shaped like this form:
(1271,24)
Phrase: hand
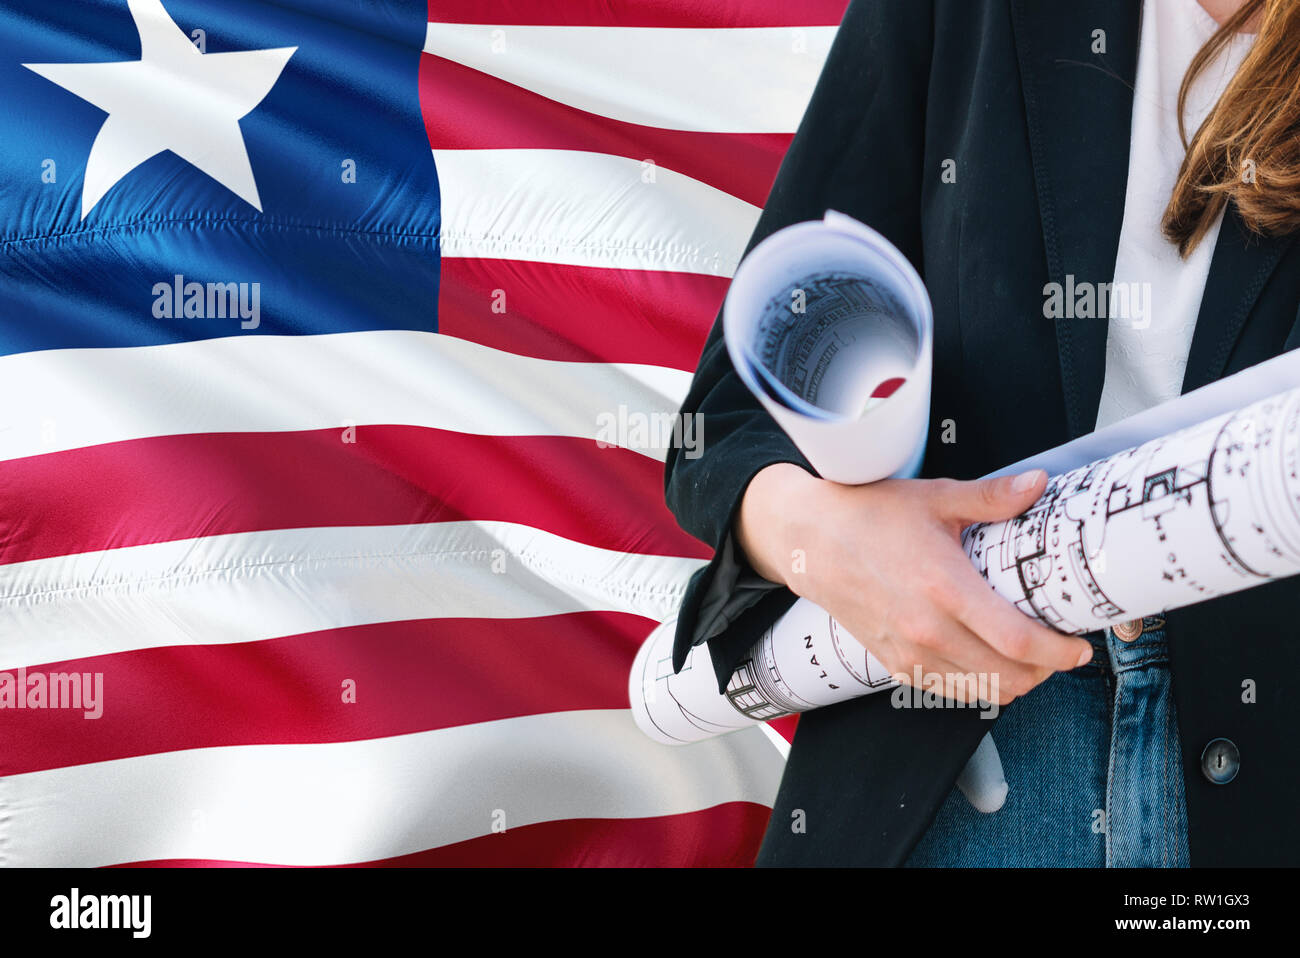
(885,560)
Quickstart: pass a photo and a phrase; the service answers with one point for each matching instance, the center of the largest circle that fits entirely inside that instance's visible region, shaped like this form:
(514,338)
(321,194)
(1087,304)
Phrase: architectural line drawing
(1202,512)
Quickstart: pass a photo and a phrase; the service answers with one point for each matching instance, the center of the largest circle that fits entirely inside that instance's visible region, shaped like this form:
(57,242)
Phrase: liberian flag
(333,337)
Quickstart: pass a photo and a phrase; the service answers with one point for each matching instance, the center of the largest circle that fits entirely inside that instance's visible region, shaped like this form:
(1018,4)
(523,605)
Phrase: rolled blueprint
(831,328)
(1206,510)
(804,661)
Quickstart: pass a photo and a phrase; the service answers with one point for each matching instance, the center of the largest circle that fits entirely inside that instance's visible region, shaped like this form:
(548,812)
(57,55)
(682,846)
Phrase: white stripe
(67,398)
(258,585)
(351,802)
(728,80)
(776,739)
(587,209)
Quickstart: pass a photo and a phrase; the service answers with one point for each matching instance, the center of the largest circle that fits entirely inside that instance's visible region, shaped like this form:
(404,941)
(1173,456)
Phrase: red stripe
(410,676)
(579,313)
(724,836)
(510,117)
(178,487)
(887,388)
(785,726)
(641,13)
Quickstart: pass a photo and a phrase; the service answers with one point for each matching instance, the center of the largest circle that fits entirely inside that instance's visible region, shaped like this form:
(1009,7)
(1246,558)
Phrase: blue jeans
(1094,766)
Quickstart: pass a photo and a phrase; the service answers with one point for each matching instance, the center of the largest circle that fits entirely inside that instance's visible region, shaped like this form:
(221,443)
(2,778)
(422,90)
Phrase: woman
(1005,146)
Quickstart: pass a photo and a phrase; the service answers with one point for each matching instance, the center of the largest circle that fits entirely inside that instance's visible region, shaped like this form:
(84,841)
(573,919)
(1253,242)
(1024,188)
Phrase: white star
(173,98)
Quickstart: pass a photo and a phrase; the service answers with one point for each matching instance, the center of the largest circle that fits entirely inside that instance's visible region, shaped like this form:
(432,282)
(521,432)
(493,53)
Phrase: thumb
(991,500)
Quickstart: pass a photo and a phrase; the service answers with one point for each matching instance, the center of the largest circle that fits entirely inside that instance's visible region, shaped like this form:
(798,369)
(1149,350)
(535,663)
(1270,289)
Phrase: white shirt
(1149,336)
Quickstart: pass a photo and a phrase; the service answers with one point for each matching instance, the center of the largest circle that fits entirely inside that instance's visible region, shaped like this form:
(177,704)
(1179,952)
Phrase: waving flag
(317,546)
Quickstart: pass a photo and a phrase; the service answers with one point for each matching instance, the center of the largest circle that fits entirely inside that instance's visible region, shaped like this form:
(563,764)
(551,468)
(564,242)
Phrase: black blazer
(1038,127)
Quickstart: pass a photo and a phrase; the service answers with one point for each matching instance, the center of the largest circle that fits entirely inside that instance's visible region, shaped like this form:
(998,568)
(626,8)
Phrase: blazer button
(1220,761)
(1127,631)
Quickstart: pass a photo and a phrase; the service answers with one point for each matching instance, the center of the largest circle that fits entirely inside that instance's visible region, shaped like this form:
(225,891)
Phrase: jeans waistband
(1112,653)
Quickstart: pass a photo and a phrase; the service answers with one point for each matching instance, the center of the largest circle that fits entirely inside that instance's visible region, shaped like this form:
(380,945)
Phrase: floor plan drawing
(1200,513)
(1204,511)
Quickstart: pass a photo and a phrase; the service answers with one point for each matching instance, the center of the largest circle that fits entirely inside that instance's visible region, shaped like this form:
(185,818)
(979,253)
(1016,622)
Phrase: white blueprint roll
(1207,510)
(821,320)
(804,661)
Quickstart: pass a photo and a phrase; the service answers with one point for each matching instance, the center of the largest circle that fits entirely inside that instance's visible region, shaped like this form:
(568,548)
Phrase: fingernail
(1026,480)
(1084,657)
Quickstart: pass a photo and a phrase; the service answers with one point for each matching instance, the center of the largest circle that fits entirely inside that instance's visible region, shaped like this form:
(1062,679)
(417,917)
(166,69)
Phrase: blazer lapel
(1239,270)
(1079,106)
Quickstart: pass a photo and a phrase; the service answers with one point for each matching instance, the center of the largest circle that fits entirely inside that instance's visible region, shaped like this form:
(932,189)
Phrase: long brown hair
(1248,148)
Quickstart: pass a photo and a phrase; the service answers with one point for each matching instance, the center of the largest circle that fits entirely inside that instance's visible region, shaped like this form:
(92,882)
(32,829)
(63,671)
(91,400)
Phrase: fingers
(968,597)
(988,500)
(958,685)
(969,665)
(1005,679)
(1008,630)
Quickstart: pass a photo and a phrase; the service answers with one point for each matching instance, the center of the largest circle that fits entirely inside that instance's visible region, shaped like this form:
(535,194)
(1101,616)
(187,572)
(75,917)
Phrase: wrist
(774,517)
